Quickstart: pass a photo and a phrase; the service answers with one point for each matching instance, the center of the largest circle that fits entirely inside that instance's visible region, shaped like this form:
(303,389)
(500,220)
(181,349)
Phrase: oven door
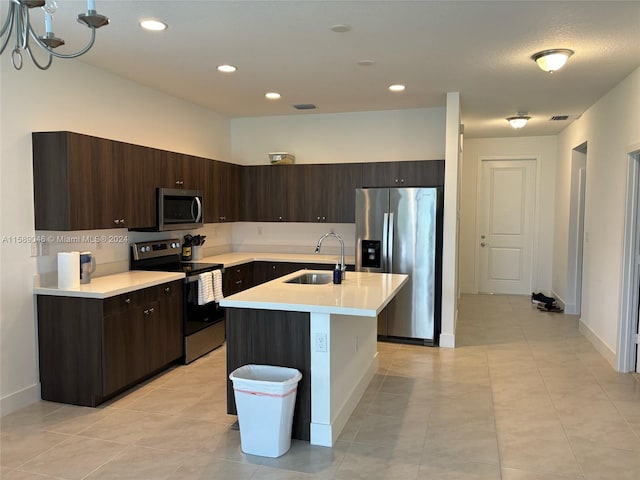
(204,325)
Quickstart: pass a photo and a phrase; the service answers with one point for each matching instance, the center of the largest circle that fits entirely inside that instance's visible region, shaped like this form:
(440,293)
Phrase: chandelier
(18,22)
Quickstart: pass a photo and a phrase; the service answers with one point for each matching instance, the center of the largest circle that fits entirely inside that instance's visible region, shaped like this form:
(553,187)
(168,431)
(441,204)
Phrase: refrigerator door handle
(390,245)
(385,241)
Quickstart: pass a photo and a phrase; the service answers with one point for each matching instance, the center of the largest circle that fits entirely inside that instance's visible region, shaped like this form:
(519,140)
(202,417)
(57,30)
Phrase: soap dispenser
(337,274)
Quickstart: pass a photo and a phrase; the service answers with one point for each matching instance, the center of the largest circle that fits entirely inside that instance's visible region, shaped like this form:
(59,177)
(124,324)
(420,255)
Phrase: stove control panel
(156,248)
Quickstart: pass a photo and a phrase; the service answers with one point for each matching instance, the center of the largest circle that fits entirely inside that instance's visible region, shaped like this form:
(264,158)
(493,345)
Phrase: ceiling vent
(304,106)
(559,118)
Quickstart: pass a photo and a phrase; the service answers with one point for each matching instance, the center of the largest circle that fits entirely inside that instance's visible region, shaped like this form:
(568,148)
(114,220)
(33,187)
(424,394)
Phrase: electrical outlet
(34,249)
(259,230)
(321,342)
(44,249)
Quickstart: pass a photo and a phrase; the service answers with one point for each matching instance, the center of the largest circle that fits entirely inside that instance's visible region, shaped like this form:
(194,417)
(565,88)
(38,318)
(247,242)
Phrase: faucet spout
(343,267)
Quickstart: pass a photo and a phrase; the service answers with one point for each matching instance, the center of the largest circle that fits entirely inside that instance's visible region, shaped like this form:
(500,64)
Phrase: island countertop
(360,294)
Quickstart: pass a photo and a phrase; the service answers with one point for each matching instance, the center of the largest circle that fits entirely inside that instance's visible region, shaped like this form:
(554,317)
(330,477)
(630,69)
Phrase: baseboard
(447,340)
(602,348)
(19,399)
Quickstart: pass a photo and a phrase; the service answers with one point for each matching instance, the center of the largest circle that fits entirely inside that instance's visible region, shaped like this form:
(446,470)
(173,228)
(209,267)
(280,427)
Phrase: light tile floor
(523,397)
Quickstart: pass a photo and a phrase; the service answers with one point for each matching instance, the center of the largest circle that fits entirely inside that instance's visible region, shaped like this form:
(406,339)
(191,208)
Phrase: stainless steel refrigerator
(399,230)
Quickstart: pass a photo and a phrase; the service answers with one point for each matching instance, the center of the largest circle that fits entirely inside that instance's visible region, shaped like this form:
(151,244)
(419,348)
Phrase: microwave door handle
(196,217)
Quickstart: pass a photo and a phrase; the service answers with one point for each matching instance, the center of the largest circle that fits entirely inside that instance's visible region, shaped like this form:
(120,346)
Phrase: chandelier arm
(8,24)
(33,59)
(63,55)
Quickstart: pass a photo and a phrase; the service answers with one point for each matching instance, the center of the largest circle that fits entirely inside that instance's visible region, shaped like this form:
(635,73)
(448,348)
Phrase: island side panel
(272,337)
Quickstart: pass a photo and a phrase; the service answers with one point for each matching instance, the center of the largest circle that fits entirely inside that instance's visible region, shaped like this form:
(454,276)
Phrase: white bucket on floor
(265,399)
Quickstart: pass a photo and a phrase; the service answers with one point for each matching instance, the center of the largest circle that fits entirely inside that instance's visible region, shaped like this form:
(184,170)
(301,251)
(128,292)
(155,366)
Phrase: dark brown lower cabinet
(92,349)
(271,337)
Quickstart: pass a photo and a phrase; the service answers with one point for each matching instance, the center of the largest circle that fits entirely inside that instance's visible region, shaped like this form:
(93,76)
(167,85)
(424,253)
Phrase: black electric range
(203,325)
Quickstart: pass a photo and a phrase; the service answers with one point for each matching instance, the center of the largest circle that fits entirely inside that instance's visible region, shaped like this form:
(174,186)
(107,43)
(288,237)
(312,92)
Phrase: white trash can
(265,399)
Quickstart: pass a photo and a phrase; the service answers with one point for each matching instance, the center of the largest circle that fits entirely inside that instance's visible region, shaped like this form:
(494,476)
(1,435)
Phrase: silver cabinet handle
(127,300)
(167,289)
(151,310)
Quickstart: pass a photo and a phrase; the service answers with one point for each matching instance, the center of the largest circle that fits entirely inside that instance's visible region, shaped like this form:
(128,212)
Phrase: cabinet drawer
(121,303)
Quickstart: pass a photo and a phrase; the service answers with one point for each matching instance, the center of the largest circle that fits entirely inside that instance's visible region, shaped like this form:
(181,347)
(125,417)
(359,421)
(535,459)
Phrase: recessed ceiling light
(272,95)
(227,68)
(340,28)
(153,25)
(397,88)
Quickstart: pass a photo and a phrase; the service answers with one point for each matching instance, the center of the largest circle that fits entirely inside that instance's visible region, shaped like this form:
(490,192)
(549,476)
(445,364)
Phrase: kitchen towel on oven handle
(217,285)
(205,288)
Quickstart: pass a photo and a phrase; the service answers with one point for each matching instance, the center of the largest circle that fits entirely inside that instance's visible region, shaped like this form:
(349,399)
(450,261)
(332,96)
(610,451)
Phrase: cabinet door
(95,184)
(425,173)
(266,271)
(330,192)
(164,337)
(123,342)
(257,192)
(223,192)
(140,174)
(178,170)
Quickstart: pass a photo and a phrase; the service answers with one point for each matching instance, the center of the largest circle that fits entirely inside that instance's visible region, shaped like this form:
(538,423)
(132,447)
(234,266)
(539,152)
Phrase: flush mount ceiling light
(227,68)
(519,120)
(397,88)
(153,25)
(18,16)
(552,60)
(272,95)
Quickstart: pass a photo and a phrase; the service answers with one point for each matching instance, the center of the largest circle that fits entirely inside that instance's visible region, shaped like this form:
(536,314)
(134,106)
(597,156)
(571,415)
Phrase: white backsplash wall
(111,247)
(284,237)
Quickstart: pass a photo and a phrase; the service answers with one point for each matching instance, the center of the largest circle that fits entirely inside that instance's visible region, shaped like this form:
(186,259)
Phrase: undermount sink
(312,279)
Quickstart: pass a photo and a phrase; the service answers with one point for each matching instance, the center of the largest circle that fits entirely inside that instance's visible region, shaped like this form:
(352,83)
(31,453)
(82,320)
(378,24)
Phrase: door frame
(629,305)
(577,203)
(536,211)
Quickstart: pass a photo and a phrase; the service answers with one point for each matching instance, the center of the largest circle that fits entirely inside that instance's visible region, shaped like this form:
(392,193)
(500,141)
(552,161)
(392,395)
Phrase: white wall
(542,148)
(609,127)
(77,97)
(392,135)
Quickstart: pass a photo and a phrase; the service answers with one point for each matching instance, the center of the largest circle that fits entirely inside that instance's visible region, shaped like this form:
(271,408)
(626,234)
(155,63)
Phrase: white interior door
(506,226)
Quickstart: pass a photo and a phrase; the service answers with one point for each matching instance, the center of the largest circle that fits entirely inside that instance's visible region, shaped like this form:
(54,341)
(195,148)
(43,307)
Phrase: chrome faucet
(343,268)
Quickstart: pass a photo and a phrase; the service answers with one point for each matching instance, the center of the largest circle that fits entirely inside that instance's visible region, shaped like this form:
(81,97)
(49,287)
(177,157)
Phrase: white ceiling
(481,49)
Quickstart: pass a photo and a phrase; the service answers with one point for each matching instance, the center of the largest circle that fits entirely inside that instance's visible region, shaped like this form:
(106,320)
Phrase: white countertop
(238,258)
(360,294)
(116,284)
(112,285)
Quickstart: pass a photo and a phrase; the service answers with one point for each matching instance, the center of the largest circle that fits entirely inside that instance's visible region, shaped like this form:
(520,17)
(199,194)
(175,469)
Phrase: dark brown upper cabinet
(266,193)
(178,170)
(422,173)
(84,183)
(329,192)
(223,192)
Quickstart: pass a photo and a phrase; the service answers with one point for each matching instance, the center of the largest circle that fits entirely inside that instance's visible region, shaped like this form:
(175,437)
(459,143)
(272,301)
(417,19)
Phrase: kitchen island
(327,331)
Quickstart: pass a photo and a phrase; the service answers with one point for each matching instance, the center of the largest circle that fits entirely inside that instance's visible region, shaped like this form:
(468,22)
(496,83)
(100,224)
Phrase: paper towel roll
(68,269)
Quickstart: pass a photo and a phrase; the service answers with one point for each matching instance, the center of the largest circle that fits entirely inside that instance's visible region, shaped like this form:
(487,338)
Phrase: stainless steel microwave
(179,209)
